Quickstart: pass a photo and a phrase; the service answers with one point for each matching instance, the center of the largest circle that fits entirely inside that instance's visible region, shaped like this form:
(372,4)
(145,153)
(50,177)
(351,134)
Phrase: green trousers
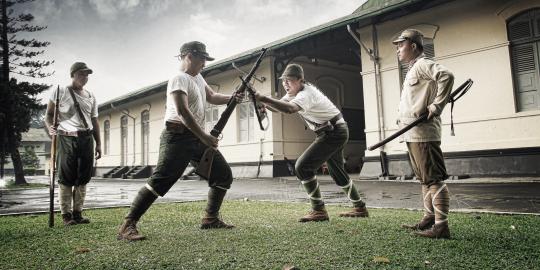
(176,150)
(75,159)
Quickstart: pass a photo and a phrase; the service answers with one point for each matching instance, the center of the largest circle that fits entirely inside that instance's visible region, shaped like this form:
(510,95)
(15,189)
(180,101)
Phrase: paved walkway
(510,195)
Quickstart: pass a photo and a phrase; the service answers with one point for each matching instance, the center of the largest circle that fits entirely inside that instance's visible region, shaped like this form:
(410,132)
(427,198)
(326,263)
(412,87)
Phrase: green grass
(268,237)
(10,184)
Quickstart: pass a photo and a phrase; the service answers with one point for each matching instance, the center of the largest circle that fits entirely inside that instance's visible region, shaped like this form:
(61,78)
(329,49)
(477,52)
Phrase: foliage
(18,99)
(29,158)
(268,236)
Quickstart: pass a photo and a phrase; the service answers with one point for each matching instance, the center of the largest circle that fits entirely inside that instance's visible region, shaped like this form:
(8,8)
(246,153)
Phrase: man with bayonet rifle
(183,140)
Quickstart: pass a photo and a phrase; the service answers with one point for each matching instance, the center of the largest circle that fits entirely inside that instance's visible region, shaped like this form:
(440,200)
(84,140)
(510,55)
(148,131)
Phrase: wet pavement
(509,195)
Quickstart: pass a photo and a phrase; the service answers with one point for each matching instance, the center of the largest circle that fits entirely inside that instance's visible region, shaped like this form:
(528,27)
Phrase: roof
(364,14)
(35,135)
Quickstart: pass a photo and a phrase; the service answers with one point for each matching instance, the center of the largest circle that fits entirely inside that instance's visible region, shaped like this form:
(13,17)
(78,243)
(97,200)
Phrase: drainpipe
(374,56)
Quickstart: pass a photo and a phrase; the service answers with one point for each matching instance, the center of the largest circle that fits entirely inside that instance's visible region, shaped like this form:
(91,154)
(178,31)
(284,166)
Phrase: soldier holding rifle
(183,140)
(324,118)
(77,129)
(426,89)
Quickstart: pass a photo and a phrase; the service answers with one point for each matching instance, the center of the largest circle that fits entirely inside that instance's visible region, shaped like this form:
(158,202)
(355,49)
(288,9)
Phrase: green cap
(195,47)
(79,66)
(413,35)
(293,70)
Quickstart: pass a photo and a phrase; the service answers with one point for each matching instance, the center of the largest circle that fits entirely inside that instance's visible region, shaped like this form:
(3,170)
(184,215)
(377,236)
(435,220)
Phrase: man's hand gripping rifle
(204,169)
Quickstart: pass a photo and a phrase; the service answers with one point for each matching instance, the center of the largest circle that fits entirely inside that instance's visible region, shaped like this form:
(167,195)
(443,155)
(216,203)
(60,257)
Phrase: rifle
(204,169)
(259,109)
(454,96)
(53,158)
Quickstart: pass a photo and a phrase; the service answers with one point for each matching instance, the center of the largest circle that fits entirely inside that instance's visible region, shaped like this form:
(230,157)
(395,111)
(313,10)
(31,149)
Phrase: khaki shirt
(427,86)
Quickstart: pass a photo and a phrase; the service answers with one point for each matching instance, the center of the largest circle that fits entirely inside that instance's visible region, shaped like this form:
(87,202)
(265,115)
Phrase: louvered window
(429,51)
(524,35)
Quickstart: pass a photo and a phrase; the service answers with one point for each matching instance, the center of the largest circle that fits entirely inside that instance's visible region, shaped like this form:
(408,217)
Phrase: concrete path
(512,195)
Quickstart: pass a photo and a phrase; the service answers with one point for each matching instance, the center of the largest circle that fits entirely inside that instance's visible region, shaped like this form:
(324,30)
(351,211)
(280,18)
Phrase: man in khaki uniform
(426,89)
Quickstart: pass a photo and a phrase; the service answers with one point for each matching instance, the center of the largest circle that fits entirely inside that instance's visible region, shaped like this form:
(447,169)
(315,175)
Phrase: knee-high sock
(352,194)
(441,201)
(79,194)
(314,193)
(428,204)
(65,195)
(145,198)
(215,199)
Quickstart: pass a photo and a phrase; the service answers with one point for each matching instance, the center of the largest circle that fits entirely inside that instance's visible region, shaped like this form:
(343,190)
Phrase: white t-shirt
(68,117)
(195,89)
(316,107)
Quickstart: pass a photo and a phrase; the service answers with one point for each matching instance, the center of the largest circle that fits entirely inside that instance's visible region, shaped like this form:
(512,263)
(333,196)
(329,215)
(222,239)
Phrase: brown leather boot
(214,223)
(68,219)
(315,215)
(79,219)
(425,223)
(439,230)
(356,212)
(128,231)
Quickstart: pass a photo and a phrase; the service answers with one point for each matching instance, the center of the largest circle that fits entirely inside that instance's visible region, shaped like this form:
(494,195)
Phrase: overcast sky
(130,44)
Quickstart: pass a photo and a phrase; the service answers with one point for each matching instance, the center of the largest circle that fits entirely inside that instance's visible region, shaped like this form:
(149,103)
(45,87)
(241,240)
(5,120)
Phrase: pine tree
(18,100)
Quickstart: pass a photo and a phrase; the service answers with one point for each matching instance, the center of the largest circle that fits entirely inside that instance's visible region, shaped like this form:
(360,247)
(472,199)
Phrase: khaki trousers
(69,195)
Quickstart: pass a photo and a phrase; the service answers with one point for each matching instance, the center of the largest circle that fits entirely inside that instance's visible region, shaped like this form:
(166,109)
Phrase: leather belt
(336,118)
(78,133)
(175,127)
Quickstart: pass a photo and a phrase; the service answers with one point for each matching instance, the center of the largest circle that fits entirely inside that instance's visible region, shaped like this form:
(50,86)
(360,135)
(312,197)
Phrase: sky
(131,44)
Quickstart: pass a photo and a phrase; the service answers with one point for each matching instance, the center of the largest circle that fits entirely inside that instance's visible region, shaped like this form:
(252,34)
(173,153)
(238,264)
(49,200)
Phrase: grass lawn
(268,237)
(10,184)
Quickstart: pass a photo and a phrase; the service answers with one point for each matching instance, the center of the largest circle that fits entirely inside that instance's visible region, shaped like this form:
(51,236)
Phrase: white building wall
(471,40)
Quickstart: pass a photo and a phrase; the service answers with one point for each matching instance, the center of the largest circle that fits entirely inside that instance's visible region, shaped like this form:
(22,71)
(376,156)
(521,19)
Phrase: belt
(336,118)
(78,133)
(332,121)
(175,127)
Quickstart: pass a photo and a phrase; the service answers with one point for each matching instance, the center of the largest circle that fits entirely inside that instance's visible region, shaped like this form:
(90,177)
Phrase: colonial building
(496,43)
(36,141)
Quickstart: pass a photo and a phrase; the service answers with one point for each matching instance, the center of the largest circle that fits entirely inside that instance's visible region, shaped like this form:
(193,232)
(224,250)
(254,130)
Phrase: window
(524,36)
(145,134)
(211,118)
(123,140)
(106,136)
(429,51)
(245,122)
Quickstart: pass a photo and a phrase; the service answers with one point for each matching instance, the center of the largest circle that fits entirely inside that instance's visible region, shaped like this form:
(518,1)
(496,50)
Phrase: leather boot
(68,219)
(128,231)
(439,230)
(356,212)
(79,219)
(315,215)
(214,223)
(425,223)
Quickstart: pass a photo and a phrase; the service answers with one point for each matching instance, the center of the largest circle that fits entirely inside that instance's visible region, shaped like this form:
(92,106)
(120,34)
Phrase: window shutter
(523,31)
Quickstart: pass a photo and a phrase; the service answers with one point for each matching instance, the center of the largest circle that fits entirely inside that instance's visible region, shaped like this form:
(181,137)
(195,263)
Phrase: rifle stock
(204,169)
(53,159)
(455,95)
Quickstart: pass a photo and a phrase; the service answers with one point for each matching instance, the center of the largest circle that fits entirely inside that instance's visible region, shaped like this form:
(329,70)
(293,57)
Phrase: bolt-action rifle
(53,158)
(204,169)
(455,95)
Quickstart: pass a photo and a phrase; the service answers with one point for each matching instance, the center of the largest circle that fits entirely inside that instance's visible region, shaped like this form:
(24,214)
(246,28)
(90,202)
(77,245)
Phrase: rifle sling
(78,107)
